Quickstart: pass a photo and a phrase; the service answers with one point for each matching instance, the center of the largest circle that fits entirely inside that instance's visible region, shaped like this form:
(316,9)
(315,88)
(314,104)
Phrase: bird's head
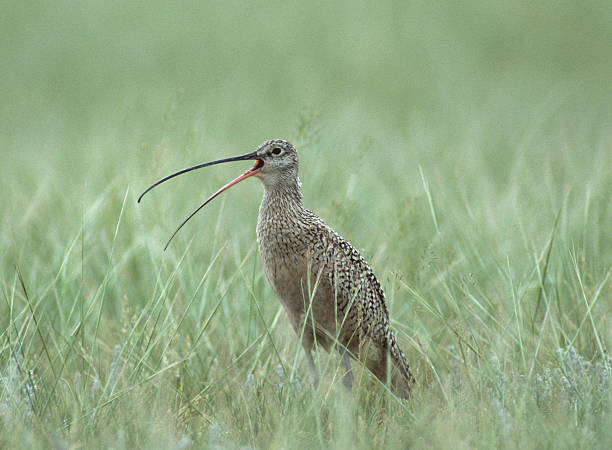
(276,164)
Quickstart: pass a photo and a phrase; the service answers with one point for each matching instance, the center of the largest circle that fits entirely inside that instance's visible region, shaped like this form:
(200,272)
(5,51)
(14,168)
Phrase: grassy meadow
(465,148)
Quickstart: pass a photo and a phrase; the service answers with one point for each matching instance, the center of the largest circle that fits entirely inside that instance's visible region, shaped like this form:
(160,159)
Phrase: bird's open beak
(249,173)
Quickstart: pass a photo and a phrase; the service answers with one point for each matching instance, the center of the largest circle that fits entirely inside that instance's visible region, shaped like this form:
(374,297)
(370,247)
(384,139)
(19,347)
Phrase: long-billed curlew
(329,291)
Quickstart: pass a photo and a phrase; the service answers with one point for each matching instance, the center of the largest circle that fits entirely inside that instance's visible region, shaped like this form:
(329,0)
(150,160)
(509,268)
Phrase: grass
(463,149)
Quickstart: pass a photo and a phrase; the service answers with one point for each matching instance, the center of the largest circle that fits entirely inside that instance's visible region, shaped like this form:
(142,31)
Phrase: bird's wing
(357,289)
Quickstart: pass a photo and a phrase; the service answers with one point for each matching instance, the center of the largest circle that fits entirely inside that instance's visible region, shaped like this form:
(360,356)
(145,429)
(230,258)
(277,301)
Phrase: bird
(329,291)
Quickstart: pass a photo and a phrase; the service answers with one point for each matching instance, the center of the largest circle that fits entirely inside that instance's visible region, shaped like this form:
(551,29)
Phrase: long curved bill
(249,173)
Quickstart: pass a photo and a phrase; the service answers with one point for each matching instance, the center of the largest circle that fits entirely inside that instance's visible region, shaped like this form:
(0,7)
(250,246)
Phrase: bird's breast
(287,256)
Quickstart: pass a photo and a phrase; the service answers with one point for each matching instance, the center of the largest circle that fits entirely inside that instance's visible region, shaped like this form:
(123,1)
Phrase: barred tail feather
(397,372)
(402,379)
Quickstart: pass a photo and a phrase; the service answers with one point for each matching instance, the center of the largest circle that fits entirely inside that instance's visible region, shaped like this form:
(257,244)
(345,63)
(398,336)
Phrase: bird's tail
(397,372)
(402,379)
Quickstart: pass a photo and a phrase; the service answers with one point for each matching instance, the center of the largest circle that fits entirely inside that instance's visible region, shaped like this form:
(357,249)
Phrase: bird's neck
(281,199)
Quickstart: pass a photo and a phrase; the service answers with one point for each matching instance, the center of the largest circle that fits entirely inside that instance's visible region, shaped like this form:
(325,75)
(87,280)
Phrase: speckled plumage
(304,259)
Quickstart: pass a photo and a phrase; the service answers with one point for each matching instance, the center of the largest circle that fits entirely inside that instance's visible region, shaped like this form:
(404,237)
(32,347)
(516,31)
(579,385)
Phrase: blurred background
(84,83)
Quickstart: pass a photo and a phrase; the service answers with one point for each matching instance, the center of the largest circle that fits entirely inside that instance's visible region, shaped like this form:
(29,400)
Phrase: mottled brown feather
(306,261)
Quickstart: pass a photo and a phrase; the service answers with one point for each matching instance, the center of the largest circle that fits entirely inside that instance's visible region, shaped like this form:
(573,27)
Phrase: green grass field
(464,148)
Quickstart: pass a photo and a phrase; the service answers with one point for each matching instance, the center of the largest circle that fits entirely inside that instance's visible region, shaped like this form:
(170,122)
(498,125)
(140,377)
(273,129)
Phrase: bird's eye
(276,150)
